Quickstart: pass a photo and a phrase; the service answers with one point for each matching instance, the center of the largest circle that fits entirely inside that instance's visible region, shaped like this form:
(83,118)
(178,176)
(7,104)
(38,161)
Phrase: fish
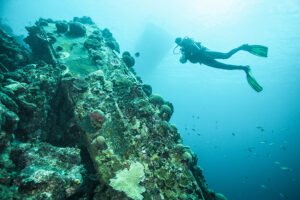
(295,180)
(283,196)
(283,147)
(263,186)
(137,54)
(233,134)
(277,163)
(285,168)
(260,128)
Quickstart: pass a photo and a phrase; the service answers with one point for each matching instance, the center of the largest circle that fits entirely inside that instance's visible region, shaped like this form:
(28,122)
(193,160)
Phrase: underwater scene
(153,100)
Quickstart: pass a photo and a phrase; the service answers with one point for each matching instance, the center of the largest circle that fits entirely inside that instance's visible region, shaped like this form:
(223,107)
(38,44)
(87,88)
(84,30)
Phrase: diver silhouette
(196,53)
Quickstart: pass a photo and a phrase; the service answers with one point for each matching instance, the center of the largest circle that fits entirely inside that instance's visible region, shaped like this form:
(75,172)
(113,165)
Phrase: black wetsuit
(196,53)
(192,51)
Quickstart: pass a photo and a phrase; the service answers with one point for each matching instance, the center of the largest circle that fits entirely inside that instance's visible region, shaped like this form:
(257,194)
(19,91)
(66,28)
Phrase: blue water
(243,139)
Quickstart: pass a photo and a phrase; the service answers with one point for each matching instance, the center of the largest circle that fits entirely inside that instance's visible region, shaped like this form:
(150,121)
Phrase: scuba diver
(196,53)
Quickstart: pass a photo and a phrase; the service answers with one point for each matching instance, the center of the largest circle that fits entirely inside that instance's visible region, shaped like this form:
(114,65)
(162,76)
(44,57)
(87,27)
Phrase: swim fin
(253,83)
(257,50)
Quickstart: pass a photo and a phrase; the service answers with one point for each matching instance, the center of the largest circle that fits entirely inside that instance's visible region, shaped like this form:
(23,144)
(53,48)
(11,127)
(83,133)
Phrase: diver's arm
(183,59)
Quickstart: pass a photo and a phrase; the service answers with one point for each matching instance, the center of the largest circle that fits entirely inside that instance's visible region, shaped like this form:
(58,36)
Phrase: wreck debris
(85,95)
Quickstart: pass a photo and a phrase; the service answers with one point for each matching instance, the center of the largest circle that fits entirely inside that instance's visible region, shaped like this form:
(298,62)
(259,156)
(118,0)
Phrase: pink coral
(97,118)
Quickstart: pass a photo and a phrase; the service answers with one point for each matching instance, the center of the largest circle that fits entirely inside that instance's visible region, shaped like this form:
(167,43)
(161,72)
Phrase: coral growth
(128,59)
(128,181)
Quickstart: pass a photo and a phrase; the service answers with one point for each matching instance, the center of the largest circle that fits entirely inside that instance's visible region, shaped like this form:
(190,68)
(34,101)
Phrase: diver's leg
(219,65)
(220,55)
(250,78)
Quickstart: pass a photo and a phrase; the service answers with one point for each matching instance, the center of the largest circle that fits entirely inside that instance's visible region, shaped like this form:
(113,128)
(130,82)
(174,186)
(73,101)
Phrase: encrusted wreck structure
(76,122)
